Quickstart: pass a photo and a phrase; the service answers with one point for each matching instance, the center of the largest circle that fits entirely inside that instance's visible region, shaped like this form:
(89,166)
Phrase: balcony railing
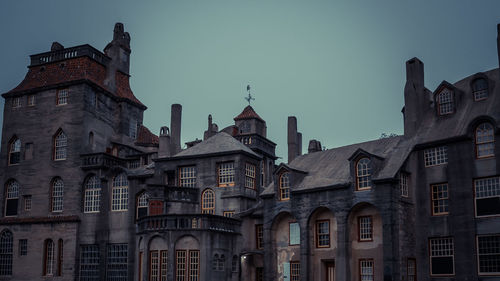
(178,194)
(68,53)
(101,160)
(188,222)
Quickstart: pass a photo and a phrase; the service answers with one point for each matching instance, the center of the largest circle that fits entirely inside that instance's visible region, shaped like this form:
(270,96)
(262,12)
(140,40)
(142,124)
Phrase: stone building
(91,194)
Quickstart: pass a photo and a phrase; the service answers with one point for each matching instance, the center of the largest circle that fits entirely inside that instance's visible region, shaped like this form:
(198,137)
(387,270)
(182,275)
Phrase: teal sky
(336,65)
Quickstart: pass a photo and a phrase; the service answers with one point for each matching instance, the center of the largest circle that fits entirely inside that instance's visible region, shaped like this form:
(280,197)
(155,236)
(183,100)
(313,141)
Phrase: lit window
(23,247)
(294,271)
(16,102)
(62,97)
(57,195)
(323,234)
(187,265)
(446,104)
(208,202)
(12,198)
(187,176)
(27,202)
(48,258)
(488,252)
(439,199)
(363,174)
(226,174)
(133,128)
(31,100)
(119,192)
(411,269)
(487,196)
(60,145)
(436,156)
(485,141)
(404,182)
(284,187)
(480,89)
(442,256)
(294,233)
(92,195)
(6,252)
(365,228)
(259,236)
(117,262)
(249,176)
(234,264)
(366,269)
(89,263)
(142,205)
(228,214)
(15,152)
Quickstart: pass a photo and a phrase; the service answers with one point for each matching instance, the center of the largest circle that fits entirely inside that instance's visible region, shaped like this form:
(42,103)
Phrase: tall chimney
(299,144)
(119,52)
(164,143)
(498,43)
(292,138)
(175,126)
(414,94)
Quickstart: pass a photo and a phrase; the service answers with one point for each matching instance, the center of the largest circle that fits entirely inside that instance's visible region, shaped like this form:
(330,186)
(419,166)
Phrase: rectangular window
(194,265)
(163,265)
(187,176)
(16,102)
(436,156)
(259,236)
(439,199)
(259,274)
(294,233)
(411,269)
(294,271)
(226,174)
(228,214)
(89,263)
(23,247)
(488,254)
(62,97)
(117,262)
(180,265)
(119,200)
(31,100)
(487,196)
(323,234)
(249,176)
(187,266)
(132,131)
(365,228)
(27,202)
(442,256)
(366,269)
(404,182)
(154,262)
(134,164)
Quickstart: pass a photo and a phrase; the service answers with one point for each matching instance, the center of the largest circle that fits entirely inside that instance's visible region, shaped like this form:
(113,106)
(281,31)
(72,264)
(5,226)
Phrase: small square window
(62,97)
(23,247)
(228,214)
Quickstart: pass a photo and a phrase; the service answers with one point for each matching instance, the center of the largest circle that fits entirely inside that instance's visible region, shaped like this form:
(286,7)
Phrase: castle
(92,194)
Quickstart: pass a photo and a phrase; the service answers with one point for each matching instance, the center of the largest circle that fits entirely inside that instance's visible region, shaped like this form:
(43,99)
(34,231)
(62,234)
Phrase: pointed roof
(146,137)
(248,113)
(219,143)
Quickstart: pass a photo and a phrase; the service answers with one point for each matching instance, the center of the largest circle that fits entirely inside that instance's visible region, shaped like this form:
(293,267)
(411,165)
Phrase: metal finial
(249,98)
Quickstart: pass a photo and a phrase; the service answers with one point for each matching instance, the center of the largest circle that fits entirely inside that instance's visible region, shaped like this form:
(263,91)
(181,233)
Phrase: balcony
(177,222)
(101,160)
(178,194)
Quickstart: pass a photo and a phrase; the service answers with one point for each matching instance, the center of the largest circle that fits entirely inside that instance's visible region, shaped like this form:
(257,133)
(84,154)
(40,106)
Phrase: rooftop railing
(182,222)
(101,160)
(68,53)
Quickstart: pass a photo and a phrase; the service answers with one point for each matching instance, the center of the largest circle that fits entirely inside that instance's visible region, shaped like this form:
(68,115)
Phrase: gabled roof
(219,143)
(145,137)
(248,113)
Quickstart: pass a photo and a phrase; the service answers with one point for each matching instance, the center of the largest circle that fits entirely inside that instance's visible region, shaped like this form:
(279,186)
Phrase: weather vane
(249,98)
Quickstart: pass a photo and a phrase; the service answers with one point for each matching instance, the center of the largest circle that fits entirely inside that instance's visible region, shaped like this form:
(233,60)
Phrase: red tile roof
(248,113)
(146,137)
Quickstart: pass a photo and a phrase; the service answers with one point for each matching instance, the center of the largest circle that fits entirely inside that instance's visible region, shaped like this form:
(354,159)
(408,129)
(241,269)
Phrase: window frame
(259,236)
(190,176)
(14,148)
(92,195)
(294,270)
(433,152)
(116,266)
(317,236)
(290,232)
(446,199)
(430,255)
(57,196)
(369,260)
(439,102)
(117,204)
(93,258)
(23,247)
(7,252)
(142,202)
(228,213)
(60,145)
(48,258)
(404,184)
(31,100)
(223,173)
(208,209)
(368,169)
(371,229)
(62,100)
(16,103)
(475,92)
(14,193)
(284,187)
(415,278)
(250,180)
(478,256)
(478,144)
(474,192)
(187,260)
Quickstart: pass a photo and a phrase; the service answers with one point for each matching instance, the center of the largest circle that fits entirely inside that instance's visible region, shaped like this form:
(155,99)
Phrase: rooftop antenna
(249,98)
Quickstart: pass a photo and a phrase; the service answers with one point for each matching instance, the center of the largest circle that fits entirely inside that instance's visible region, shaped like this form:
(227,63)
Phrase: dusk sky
(339,66)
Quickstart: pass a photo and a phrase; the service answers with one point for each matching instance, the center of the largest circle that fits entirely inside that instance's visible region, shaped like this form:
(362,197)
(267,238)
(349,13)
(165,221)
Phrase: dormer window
(284,187)
(363,174)
(480,89)
(446,103)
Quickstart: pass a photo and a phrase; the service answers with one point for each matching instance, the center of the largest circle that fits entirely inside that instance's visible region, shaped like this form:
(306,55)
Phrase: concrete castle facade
(89,193)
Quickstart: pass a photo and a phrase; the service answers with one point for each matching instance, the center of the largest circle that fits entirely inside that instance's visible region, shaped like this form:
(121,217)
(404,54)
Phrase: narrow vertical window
(89,263)
(487,196)
(31,100)
(163,265)
(92,195)
(15,152)
(284,182)
(439,199)
(23,247)
(259,236)
(119,201)
(60,145)
(60,252)
(259,274)
(234,264)
(365,228)
(180,265)
(142,205)
(12,198)
(28,151)
(48,258)
(366,269)
(117,262)
(221,262)
(226,174)
(133,128)
(187,176)
(215,262)
(27,202)
(294,271)
(480,89)
(262,173)
(194,265)
(294,233)
(446,103)
(363,174)
(6,252)
(208,202)
(442,256)
(57,195)
(323,234)
(16,102)
(411,269)
(250,176)
(62,97)
(404,184)
(228,214)
(488,252)
(485,141)
(154,265)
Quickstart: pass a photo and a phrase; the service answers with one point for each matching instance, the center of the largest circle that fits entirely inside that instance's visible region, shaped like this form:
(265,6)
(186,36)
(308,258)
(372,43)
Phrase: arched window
(485,140)
(142,205)
(12,198)
(15,152)
(221,263)
(284,187)
(446,103)
(57,195)
(119,192)
(92,196)
(6,240)
(480,89)
(215,262)
(60,145)
(234,264)
(208,202)
(48,257)
(91,140)
(363,174)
